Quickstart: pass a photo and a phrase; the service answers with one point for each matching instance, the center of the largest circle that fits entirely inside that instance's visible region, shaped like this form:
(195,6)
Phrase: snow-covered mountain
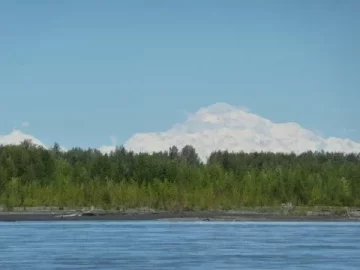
(224,127)
(16,137)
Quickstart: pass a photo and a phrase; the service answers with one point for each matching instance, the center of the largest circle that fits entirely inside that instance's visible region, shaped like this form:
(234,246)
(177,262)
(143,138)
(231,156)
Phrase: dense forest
(175,179)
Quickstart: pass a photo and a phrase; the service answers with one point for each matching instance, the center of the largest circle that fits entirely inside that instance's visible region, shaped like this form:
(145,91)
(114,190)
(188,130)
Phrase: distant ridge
(223,127)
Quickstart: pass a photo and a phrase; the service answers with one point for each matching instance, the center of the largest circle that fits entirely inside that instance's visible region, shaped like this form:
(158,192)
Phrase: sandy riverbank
(149,214)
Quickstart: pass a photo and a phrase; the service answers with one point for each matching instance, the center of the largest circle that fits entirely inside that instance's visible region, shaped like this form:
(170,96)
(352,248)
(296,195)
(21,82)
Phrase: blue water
(179,245)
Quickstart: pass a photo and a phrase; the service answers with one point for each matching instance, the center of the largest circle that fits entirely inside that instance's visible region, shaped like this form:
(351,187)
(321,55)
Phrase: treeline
(175,179)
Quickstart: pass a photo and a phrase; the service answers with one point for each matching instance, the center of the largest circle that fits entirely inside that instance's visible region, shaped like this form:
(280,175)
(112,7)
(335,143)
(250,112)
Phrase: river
(179,245)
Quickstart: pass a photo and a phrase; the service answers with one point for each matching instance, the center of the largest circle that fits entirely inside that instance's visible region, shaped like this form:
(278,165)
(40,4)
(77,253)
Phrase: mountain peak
(224,127)
(220,116)
(219,107)
(16,137)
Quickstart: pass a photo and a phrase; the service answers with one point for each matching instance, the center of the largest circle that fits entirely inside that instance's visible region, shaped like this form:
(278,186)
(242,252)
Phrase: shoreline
(152,215)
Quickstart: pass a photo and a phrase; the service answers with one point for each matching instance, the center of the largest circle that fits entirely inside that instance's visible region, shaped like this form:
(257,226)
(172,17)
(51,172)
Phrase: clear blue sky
(81,71)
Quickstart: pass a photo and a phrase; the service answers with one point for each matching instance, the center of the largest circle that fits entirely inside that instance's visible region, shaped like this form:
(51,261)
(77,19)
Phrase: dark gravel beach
(169,216)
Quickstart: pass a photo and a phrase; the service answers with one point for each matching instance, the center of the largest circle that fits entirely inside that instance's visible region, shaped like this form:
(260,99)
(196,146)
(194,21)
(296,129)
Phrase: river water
(179,245)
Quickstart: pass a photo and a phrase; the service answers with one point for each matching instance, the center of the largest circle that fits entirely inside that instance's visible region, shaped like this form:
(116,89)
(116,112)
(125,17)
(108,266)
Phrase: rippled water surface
(179,245)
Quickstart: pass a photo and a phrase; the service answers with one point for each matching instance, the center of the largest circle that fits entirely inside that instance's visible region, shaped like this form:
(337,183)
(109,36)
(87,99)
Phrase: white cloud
(25,124)
(225,127)
(113,140)
(109,148)
(349,130)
